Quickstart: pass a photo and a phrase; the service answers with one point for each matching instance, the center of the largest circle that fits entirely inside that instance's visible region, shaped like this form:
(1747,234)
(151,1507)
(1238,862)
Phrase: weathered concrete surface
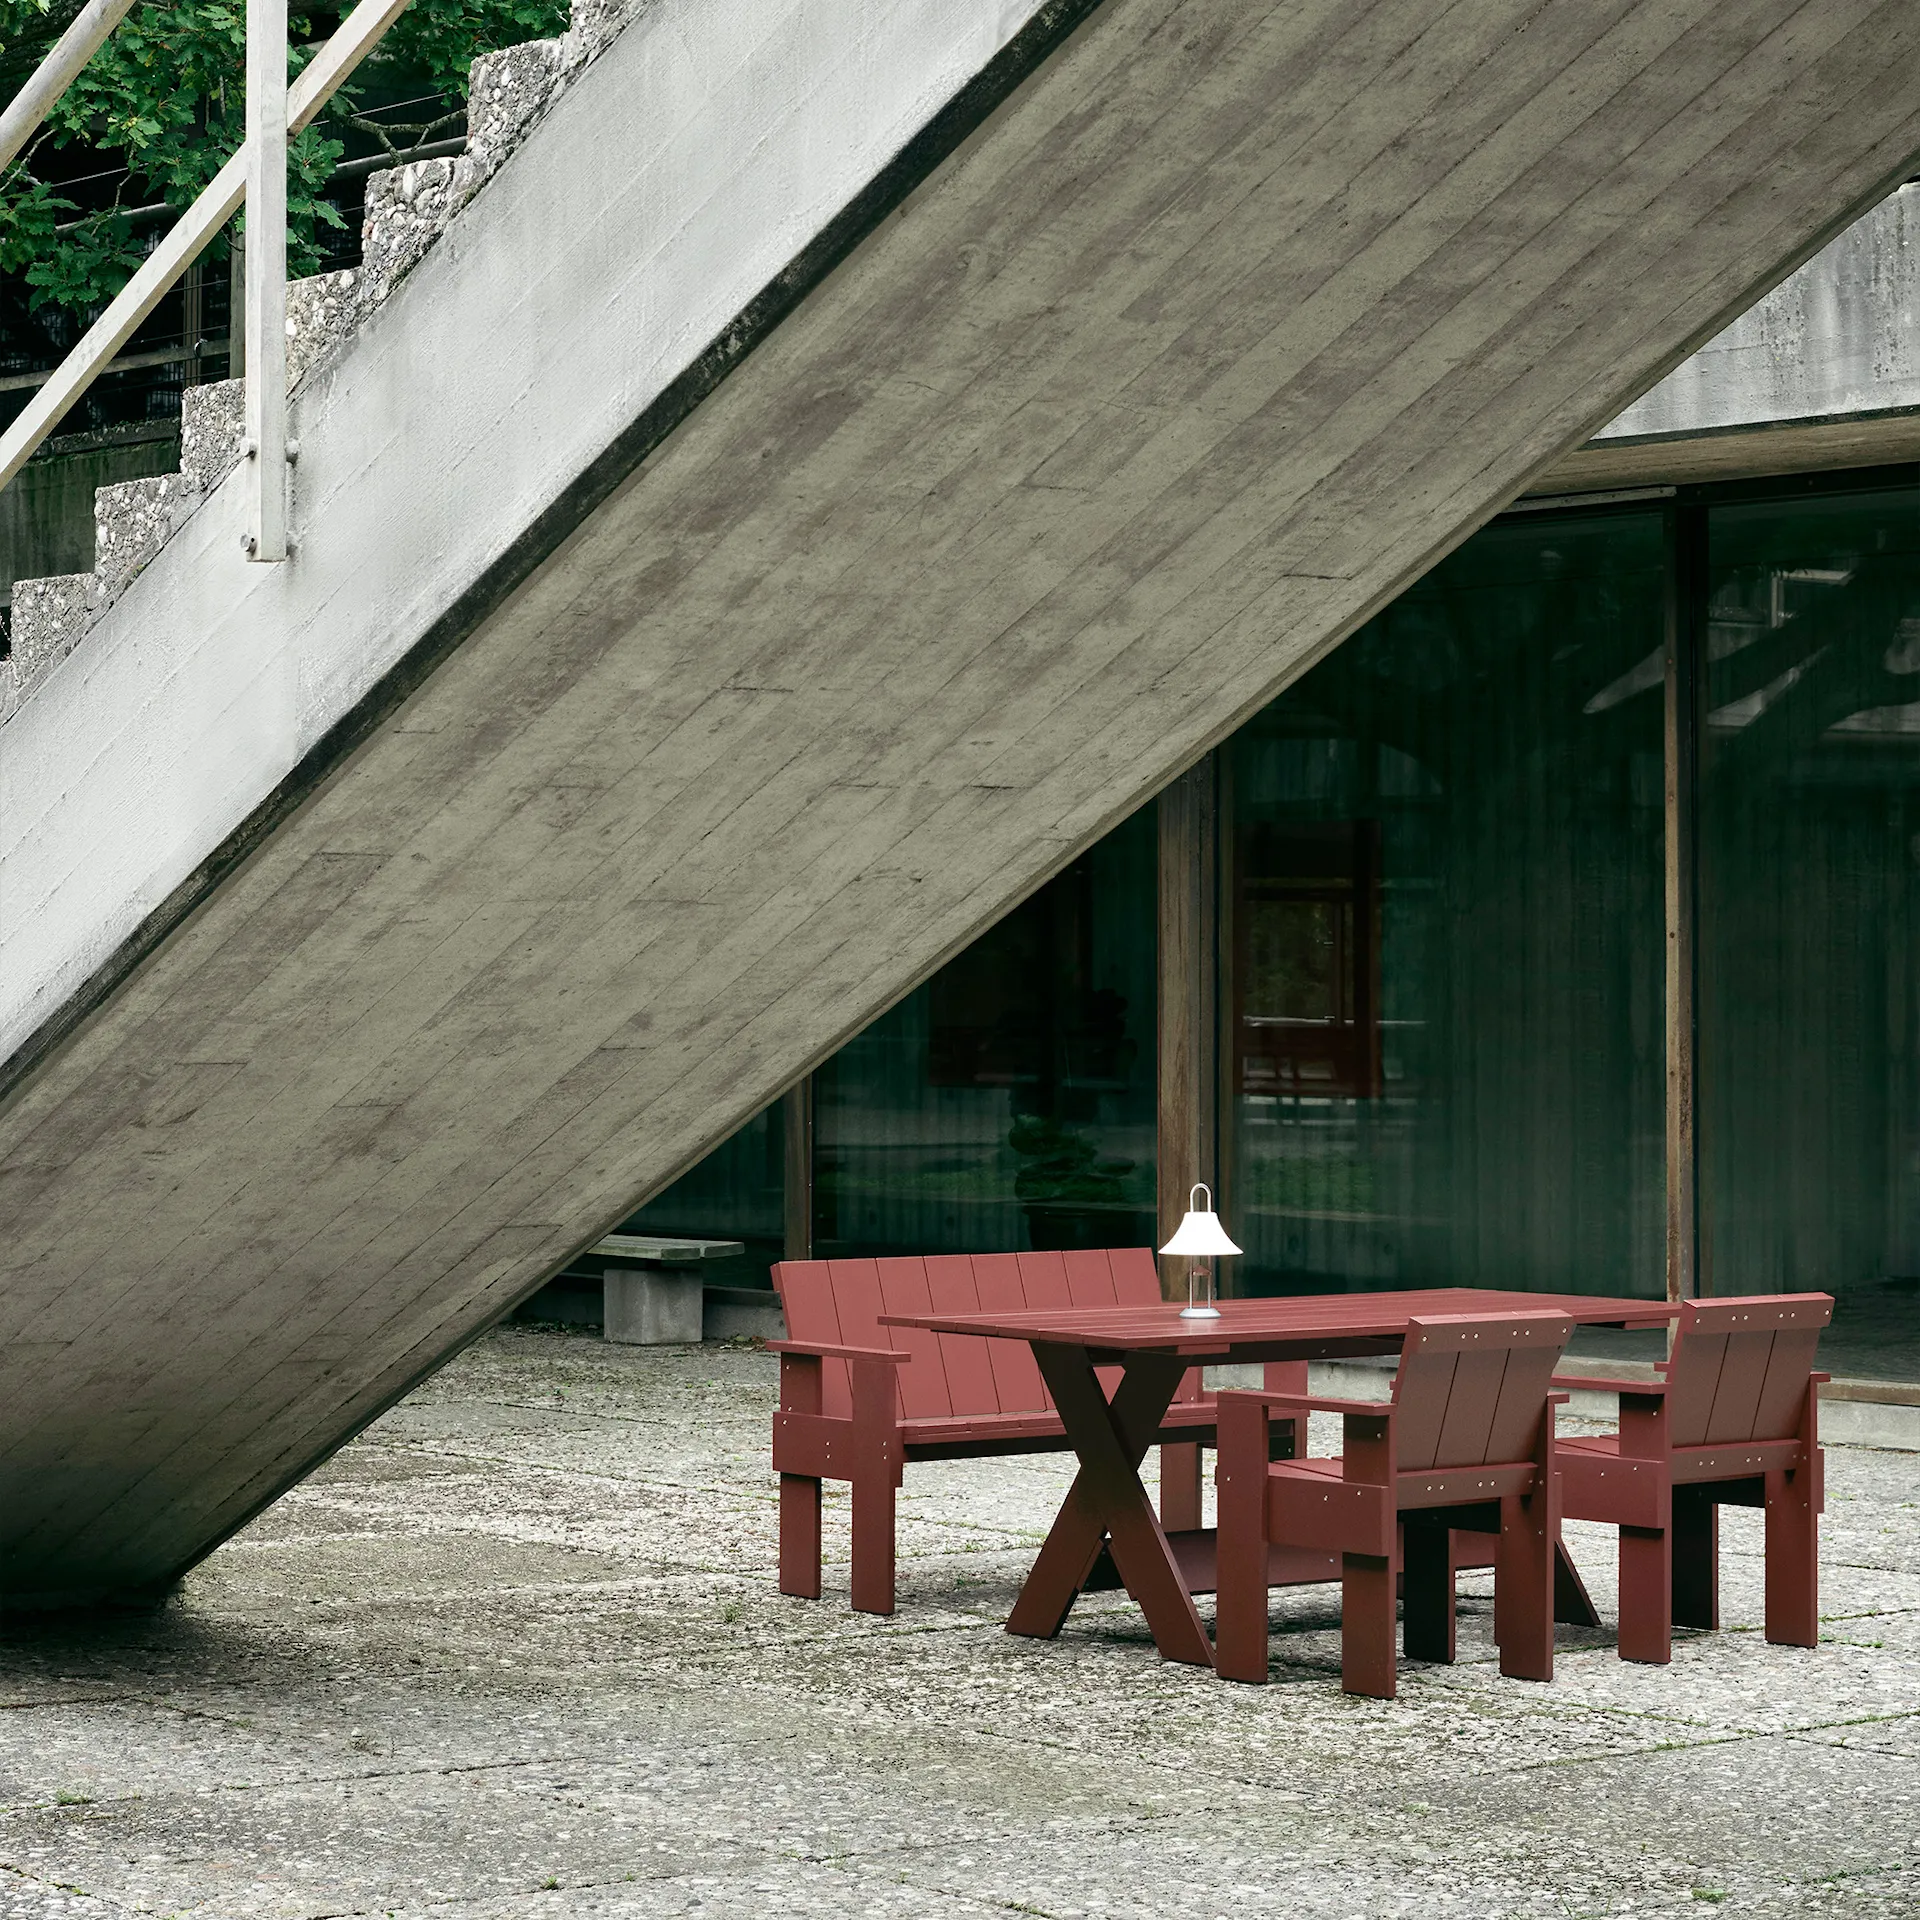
(1840,336)
(1824,372)
(1200,348)
(664,187)
(517,1652)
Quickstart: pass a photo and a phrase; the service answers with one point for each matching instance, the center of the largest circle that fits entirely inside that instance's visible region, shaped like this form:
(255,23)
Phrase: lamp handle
(1200,1186)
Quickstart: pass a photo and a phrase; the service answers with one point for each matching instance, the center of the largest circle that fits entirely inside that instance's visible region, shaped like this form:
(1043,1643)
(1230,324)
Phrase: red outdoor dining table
(1107,1508)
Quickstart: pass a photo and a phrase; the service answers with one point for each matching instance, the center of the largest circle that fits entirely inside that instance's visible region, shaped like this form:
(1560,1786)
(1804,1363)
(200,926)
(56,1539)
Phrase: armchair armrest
(1306,1402)
(822,1350)
(1601,1383)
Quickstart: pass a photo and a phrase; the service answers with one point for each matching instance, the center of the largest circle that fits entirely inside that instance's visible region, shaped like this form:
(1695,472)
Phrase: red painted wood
(1426,1590)
(1110,1438)
(1736,1394)
(1366,1625)
(1043,1280)
(1017,1383)
(1136,1277)
(923,1380)
(1523,1389)
(1240,1566)
(1693,1378)
(1404,1466)
(1646,1594)
(1473,1398)
(970,1385)
(1783,1396)
(1739,1404)
(1090,1283)
(876,1471)
(1246,1327)
(1090,1280)
(1696,1560)
(1420,1393)
(812,1312)
(800,1494)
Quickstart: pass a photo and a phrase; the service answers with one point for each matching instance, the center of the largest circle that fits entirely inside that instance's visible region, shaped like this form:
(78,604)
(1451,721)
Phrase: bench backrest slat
(924,1393)
(1740,1366)
(1471,1390)
(1017,1382)
(969,1364)
(839,1302)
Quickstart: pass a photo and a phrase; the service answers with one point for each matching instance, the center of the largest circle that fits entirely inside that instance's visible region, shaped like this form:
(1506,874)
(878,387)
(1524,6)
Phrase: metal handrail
(183,243)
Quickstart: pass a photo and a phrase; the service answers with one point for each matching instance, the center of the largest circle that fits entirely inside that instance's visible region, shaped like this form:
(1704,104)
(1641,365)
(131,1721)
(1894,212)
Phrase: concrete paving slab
(459,1665)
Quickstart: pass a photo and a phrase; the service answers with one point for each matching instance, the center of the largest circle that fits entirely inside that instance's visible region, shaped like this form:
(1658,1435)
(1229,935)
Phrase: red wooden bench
(1465,1443)
(1734,1423)
(859,1400)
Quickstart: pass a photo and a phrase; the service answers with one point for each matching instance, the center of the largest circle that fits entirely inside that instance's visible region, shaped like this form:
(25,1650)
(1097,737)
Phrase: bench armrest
(1306,1402)
(1601,1383)
(821,1350)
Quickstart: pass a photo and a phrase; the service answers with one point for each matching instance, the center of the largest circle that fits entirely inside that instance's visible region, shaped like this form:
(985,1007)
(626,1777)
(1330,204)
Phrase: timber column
(1189,999)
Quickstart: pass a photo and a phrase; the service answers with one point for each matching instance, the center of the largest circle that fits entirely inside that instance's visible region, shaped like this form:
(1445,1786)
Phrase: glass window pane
(735,1193)
(1809,906)
(1009,1103)
(1447,932)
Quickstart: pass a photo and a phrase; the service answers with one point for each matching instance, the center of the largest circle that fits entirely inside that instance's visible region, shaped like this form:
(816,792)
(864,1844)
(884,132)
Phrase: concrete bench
(655,1288)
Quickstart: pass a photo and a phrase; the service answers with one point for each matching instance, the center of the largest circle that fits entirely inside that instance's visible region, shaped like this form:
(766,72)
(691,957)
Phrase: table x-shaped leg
(1107,1502)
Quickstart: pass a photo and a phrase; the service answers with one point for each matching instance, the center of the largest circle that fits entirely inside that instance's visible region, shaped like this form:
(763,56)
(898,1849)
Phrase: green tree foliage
(164,98)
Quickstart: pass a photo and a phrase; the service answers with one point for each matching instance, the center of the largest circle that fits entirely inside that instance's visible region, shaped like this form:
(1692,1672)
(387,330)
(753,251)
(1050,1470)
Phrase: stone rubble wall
(407,209)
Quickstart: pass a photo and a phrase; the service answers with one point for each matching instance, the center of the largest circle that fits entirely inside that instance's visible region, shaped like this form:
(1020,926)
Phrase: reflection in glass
(1809,908)
(1446,921)
(1009,1103)
(735,1193)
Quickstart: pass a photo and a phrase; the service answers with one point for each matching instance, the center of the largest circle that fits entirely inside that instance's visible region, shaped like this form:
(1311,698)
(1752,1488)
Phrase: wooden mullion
(796,1119)
(1686,588)
(1186,1001)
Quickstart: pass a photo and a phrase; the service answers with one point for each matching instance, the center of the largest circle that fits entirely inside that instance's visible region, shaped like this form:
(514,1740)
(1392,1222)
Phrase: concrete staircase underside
(1206,342)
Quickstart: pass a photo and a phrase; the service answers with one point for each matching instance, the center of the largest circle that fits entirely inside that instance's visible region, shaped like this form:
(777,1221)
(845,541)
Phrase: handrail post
(266,277)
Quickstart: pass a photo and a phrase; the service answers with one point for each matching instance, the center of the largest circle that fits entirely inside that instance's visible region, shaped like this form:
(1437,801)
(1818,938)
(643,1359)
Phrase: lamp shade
(1200,1232)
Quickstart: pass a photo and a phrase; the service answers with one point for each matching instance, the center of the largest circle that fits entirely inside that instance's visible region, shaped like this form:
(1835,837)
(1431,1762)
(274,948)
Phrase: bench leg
(1426,1588)
(1646,1595)
(1180,1487)
(1793,1559)
(1523,1585)
(873,1571)
(1696,1559)
(800,1536)
(1367,1625)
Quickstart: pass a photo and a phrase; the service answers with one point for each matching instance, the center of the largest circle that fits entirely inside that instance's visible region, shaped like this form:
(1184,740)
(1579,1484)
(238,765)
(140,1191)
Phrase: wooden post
(1188,813)
(1686,593)
(266,282)
(796,1125)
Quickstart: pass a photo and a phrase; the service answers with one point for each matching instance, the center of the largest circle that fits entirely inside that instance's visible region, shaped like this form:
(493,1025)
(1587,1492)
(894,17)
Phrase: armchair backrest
(839,1302)
(1472,1389)
(1741,1367)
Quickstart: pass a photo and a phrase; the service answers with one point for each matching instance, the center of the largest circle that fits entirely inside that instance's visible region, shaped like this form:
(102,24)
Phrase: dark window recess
(1020,1009)
(1307,959)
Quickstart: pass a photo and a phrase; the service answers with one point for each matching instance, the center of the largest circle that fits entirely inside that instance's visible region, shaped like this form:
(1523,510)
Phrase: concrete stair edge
(407,209)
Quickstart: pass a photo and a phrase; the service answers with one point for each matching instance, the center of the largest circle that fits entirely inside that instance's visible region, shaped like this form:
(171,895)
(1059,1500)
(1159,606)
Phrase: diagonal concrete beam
(1208,341)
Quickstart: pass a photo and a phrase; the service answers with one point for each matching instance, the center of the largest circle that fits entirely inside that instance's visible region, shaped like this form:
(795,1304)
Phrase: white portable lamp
(1201,1239)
